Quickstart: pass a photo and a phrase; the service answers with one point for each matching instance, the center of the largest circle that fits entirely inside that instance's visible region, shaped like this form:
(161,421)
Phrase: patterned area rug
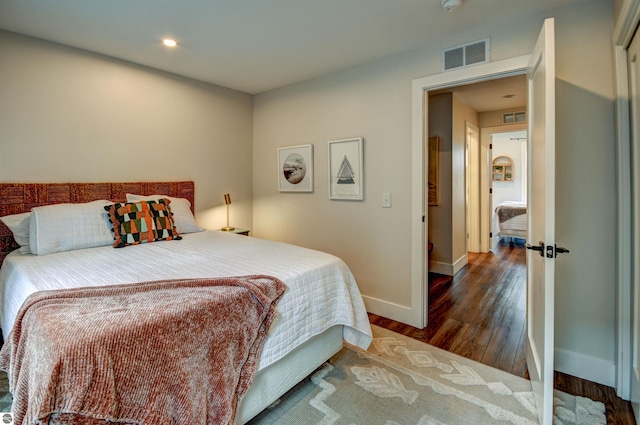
(401,381)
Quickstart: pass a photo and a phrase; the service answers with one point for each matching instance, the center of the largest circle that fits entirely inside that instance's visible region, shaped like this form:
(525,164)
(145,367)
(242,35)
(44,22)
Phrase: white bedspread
(515,227)
(321,289)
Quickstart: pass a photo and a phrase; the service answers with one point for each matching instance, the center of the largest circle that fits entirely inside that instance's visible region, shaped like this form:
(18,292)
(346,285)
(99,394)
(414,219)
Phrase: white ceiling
(493,95)
(255,45)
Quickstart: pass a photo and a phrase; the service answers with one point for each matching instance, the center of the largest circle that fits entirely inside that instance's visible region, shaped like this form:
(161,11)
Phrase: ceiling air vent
(514,117)
(465,55)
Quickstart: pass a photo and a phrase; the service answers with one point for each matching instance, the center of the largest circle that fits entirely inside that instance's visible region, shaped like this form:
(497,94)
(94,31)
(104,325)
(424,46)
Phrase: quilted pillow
(141,222)
(66,227)
(180,208)
(19,226)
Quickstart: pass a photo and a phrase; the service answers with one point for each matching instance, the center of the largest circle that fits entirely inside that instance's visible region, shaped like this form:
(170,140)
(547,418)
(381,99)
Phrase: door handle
(552,251)
(539,247)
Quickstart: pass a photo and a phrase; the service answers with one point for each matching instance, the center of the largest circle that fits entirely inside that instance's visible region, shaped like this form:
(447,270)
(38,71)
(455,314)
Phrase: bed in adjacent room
(319,306)
(510,220)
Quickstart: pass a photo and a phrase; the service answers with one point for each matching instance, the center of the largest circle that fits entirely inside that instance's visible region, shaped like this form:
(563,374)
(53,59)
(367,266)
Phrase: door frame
(419,135)
(623,32)
(474,186)
(486,203)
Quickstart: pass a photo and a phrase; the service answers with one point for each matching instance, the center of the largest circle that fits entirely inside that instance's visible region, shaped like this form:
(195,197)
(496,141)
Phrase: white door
(541,221)
(473,187)
(634,95)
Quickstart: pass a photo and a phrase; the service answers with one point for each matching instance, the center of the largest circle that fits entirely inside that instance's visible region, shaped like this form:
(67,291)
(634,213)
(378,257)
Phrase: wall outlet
(386,200)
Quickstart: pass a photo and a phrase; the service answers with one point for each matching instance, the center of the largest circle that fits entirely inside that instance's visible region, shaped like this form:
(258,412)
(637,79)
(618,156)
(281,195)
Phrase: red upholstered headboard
(17,198)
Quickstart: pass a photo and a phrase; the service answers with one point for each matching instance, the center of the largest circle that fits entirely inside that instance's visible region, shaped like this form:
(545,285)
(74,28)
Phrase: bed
(320,308)
(510,220)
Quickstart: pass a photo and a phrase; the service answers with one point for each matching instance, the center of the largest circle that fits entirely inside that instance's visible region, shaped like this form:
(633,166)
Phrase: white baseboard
(441,268)
(399,313)
(585,367)
(460,263)
(447,268)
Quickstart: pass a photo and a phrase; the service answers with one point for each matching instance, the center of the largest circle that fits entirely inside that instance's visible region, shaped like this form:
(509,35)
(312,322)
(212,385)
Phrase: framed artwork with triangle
(346,169)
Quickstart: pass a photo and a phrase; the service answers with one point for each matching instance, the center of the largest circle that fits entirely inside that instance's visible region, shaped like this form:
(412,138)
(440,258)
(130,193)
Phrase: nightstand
(238,231)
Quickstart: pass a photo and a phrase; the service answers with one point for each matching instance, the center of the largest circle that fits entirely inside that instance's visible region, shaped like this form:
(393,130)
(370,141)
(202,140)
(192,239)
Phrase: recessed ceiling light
(169,42)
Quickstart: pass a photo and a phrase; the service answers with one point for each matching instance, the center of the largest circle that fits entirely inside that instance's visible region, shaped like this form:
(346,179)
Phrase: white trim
(586,367)
(383,308)
(449,269)
(419,133)
(624,234)
(625,28)
(486,207)
(474,186)
(460,263)
(441,268)
(627,23)
(419,214)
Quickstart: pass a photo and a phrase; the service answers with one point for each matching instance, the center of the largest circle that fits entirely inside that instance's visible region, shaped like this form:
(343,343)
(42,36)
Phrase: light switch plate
(386,200)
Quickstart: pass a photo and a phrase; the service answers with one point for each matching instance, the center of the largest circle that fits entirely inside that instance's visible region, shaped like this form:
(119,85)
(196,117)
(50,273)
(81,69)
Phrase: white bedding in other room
(321,289)
(515,227)
(518,222)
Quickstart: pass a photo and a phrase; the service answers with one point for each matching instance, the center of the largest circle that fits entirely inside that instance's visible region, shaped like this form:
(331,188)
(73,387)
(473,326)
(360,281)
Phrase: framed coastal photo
(295,169)
(346,169)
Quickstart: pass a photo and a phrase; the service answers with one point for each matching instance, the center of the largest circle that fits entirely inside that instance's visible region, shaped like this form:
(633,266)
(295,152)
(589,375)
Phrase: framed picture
(432,171)
(345,169)
(295,169)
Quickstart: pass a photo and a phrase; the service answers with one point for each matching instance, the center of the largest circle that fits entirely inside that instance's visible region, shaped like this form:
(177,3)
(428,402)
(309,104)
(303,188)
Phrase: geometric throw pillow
(180,209)
(141,222)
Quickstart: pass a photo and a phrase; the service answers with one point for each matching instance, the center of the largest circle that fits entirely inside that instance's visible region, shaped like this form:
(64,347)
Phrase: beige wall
(617,7)
(440,216)
(494,118)
(448,116)
(364,103)
(374,101)
(585,185)
(69,115)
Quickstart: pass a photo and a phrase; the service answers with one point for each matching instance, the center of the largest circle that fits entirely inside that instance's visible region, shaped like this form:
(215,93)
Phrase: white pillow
(19,226)
(183,218)
(65,227)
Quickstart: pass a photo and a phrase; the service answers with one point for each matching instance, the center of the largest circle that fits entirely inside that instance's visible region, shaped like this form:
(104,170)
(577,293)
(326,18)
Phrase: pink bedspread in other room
(166,352)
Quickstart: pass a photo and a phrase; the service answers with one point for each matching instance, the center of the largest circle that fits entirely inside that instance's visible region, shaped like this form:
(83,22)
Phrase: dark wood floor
(480,314)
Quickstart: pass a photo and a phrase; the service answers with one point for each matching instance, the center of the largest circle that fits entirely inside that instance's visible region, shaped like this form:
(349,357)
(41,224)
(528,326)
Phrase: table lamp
(227,200)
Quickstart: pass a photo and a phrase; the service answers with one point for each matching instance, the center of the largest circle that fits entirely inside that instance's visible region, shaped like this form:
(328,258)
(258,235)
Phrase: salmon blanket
(165,352)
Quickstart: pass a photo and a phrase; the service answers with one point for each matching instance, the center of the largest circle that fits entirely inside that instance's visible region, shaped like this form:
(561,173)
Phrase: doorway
(482,112)
(508,195)
(417,313)
(540,70)
(480,311)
